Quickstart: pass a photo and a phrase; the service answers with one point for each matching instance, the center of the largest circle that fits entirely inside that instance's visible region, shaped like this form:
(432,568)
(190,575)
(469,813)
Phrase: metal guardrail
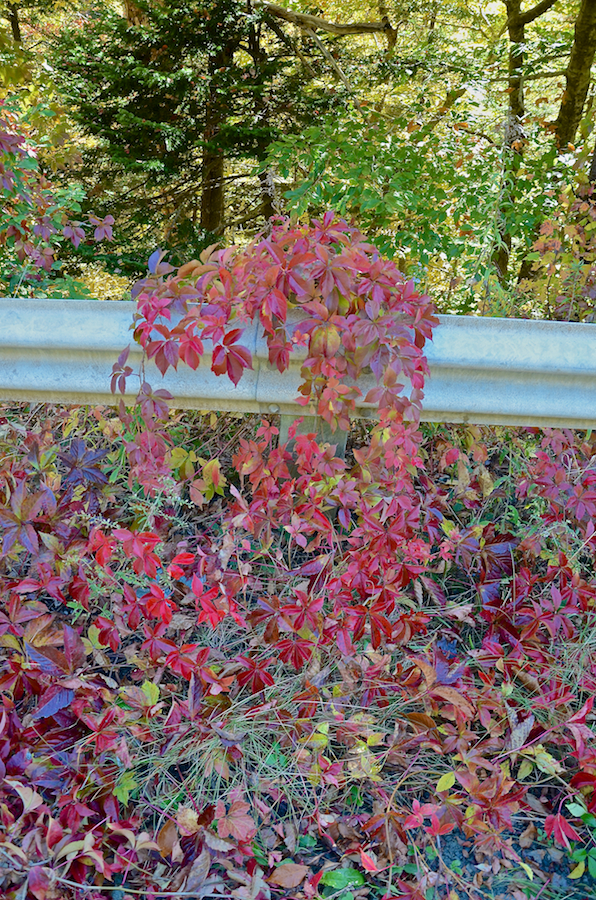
(483,370)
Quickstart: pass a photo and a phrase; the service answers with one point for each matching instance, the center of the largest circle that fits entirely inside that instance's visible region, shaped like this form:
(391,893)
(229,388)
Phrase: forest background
(446,131)
(232,670)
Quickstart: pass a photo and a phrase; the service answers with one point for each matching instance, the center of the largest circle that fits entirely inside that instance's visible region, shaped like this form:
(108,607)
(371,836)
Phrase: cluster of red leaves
(382,622)
(323,287)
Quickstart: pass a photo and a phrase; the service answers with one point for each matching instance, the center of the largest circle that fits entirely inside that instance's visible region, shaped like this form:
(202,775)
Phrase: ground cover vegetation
(260,673)
(241,668)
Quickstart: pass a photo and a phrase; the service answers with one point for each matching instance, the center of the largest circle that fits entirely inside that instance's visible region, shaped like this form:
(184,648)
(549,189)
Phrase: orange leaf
(166,838)
(454,697)
(421,719)
(428,671)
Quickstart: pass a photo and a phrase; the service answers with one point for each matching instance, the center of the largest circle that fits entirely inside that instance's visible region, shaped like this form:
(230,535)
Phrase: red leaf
(296,651)
(74,649)
(183,559)
(236,822)
(158,605)
(367,861)
(558,827)
(55,832)
(40,882)
(108,632)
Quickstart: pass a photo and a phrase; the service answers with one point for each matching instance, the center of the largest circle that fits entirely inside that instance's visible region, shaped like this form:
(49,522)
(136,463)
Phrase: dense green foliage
(167,100)
(442,129)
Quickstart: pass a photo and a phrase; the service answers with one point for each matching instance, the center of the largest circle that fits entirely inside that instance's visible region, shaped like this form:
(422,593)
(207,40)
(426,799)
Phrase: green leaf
(125,785)
(576,809)
(343,878)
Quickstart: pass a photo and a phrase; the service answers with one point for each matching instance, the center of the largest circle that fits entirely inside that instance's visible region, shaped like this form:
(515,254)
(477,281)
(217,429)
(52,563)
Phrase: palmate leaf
(16,520)
(236,822)
(83,465)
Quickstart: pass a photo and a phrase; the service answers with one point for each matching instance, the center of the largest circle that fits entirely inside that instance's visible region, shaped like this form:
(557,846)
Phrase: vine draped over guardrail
(358,313)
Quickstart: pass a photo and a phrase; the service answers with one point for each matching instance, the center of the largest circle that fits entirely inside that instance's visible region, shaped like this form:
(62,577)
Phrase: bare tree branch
(535,76)
(538,10)
(303,20)
(333,63)
(518,18)
(293,46)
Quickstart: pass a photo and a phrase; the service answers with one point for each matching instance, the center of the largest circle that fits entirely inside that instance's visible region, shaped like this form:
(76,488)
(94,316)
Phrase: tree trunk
(268,194)
(514,135)
(259,56)
(516,64)
(577,75)
(212,188)
(592,174)
(576,90)
(15,25)
(212,178)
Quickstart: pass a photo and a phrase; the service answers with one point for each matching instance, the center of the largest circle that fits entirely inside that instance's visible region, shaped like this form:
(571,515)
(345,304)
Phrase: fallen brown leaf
(166,838)
(288,875)
(528,836)
(199,871)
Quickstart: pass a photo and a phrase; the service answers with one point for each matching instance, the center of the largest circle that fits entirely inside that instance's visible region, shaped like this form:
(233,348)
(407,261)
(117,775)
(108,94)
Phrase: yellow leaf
(7,846)
(188,820)
(579,870)
(527,870)
(525,769)
(547,763)
(10,641)
(31,799)
(365,764)
(71,423)
(70,849)
(151,692)
(178,456)
(446,781)
(125,832)
(318,741)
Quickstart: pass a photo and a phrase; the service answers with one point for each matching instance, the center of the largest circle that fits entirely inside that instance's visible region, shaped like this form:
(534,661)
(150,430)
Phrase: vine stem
(107,887)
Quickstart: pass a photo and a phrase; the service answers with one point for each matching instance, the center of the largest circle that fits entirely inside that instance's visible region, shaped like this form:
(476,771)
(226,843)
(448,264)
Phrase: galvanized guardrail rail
(483,370)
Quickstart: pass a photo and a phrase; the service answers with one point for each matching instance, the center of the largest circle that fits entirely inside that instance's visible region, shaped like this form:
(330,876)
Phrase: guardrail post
(316,425)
